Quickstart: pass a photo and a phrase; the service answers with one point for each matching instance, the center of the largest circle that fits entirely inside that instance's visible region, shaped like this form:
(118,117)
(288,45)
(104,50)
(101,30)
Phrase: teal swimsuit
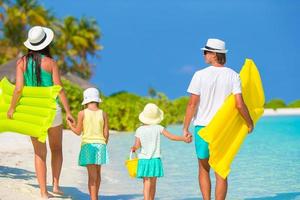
(30,78)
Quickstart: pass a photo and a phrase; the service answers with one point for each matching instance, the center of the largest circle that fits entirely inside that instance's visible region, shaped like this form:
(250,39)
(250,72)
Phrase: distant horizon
(157,43)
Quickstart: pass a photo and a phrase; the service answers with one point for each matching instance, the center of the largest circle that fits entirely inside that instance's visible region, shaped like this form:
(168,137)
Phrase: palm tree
(76,40)
(89,34)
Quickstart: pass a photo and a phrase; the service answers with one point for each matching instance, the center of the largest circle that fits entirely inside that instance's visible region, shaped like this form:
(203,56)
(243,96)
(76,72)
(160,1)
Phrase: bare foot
(57,191)
(46,196)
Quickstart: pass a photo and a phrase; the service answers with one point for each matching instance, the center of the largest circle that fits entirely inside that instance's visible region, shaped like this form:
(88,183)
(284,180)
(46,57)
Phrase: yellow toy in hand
(34,113)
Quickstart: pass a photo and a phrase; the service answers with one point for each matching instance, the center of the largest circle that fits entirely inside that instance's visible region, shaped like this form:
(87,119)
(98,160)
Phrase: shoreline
(282,112)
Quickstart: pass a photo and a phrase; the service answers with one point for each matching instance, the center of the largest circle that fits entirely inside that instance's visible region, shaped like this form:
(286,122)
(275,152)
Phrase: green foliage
(123,108)
(76,40)
(275,103)
(294,104)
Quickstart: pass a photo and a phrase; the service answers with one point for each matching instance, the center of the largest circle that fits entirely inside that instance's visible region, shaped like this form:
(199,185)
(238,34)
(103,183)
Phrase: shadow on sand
(16,173)
(76,194)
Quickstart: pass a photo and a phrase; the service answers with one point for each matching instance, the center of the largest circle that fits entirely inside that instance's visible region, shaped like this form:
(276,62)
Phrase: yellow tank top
(93,125)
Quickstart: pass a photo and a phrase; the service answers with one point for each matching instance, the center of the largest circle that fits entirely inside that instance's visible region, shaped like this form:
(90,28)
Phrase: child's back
(149,136)
(93,125)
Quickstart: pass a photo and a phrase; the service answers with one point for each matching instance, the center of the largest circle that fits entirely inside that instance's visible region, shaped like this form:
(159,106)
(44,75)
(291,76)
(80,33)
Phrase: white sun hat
(215,45)
(91,95)
(151,114)
(38,38)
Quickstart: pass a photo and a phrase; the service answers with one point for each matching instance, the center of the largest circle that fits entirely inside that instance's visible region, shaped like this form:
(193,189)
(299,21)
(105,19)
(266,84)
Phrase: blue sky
(157,43)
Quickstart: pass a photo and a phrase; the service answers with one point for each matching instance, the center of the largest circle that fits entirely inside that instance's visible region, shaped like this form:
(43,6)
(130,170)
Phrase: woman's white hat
(38,38)
(151,114)
(91,95)
(215,45)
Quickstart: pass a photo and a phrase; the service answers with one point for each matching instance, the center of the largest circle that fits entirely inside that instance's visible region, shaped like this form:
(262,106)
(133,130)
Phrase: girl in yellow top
(92,122)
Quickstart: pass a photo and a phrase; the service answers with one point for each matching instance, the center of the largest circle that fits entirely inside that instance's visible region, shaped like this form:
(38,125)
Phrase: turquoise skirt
(93,154)
(150,168)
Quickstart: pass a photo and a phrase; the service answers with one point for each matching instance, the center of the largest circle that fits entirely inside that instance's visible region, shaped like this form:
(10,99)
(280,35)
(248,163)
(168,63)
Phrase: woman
(38,69)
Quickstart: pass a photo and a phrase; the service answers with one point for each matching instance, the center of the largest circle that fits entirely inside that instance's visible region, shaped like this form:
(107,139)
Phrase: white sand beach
(17,174)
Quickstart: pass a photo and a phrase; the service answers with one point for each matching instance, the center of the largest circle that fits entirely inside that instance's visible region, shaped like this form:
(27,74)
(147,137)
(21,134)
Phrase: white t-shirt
(149,136)
(213,85)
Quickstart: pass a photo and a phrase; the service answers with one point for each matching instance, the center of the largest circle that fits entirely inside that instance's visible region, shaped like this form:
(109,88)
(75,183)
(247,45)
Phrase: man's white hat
(151,114)
(38,38)
(215,45)
(91,95)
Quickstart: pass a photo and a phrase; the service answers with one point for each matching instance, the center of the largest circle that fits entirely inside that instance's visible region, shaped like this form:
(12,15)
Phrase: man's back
(213,85)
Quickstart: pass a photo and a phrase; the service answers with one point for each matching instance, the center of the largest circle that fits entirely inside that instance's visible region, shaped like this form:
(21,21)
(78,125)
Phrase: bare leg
(40,153)
(92,172)
(221,187)
(98,178)
(147,185)
(152,188)
(204,178)
(55,143)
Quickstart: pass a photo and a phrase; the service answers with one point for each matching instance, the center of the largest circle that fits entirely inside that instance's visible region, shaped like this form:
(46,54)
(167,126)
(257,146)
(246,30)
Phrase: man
(208,90)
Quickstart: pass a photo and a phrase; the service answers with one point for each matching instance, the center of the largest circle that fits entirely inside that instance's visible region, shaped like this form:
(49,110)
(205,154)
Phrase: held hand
(187,139)
(70,118)
(70,124)
(186,133)
(10,113)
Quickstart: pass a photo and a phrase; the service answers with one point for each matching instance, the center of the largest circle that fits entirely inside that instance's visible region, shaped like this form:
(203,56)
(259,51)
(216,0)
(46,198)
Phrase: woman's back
(30,78)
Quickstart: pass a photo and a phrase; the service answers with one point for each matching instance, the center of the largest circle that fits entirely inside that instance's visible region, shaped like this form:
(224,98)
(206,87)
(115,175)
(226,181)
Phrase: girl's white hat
(215,45)
(91,95)
(38,38)
(151,114)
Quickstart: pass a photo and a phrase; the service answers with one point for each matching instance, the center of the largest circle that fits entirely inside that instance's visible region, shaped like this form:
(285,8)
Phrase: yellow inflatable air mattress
(227,130)
(34,112)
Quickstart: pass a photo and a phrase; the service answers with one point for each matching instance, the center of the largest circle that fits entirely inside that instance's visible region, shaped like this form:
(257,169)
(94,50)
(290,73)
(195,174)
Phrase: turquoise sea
(266,168)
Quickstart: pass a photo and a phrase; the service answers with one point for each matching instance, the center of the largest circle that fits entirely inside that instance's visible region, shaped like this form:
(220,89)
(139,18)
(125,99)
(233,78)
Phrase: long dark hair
(36,57)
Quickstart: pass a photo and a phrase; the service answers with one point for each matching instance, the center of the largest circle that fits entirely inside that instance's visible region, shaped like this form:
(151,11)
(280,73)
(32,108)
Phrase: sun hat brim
(216,51)
(151,121)
(49,37)
(98,100)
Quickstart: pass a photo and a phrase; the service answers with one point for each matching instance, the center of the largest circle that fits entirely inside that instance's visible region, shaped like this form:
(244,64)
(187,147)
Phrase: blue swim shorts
(200,145)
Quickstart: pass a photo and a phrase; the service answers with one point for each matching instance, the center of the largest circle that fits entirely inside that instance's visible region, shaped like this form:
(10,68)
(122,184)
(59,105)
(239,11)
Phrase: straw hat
(215,45)
(38,38)
(151,114)
(91,95)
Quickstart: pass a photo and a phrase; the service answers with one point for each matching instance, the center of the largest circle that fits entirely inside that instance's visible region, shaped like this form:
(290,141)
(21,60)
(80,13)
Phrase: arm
(175,137)
(137,144)
(18,89)
(243,110)
(106,127)
(62,94)
(190,112)
(77,129)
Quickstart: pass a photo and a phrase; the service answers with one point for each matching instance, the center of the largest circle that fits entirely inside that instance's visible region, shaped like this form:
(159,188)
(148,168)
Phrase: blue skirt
(93,154)
(150,168)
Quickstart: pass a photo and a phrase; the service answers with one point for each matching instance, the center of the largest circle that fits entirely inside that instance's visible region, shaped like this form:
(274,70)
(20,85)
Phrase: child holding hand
(147,138)
(92,124)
